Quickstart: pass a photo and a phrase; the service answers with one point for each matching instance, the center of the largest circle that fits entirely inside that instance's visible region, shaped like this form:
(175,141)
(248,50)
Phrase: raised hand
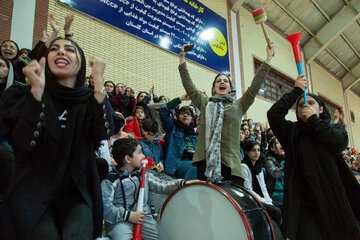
(68,21)
(35,72)
(97,70)
(97,74)
(339,116)
(54,24)
(342,117)
(185,97)
(152,90)
(182,53)
(55,27)
(270,52)
(261,126)
(44,36)
(301,82)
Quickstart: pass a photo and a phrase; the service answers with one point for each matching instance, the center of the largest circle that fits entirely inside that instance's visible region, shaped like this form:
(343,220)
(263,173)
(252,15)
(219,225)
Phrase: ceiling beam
(352,84)
(321,10)
(343,19)
(328,18)
(350,45)
(288,12)
(349,80)
(317,41)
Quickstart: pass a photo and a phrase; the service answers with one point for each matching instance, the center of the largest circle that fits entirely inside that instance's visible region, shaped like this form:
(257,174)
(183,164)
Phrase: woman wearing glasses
(180,139)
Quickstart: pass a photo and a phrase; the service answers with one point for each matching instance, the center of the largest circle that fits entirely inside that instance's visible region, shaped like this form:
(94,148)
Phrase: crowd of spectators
(167,131)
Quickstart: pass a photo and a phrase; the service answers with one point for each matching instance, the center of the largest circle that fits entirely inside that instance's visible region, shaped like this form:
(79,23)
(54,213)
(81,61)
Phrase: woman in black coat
(55,125)
(321,196)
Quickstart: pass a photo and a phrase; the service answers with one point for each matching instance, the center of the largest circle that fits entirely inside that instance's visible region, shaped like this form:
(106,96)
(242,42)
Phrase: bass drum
(204,211)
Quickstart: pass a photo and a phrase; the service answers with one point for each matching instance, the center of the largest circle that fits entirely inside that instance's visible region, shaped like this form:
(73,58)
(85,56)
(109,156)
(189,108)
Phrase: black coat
(315,174)
(33,129)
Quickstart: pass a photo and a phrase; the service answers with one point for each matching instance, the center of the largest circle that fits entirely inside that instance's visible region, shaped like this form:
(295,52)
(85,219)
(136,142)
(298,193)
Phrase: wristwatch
(102,91)
(69,35)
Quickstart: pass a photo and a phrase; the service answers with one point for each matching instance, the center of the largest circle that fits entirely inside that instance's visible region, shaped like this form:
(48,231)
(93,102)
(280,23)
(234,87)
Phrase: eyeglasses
(185,113)
(8,46)
(150,134)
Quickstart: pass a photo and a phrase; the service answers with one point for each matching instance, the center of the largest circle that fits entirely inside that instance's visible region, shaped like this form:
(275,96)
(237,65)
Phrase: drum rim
(227,195)
(262,205)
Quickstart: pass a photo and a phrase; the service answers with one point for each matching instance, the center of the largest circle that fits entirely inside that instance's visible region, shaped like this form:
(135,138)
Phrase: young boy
(120,191)
(151,147)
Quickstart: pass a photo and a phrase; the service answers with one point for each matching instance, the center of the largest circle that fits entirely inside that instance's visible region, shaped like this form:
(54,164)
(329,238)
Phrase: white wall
(22,27)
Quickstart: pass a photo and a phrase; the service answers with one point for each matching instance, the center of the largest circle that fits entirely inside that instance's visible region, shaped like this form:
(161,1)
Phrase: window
(275,84)
(330,106)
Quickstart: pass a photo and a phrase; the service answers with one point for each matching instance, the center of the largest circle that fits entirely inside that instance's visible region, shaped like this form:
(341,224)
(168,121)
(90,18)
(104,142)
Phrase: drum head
(202,211)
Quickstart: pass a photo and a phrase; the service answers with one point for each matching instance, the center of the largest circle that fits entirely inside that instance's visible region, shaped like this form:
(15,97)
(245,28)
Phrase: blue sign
(168,24)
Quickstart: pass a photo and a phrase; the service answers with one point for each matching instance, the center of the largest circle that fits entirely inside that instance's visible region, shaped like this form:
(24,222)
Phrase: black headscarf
(318,175)
(325,115)
(188,130)
(76,100)
(71,96)
(18,51)
(256,168)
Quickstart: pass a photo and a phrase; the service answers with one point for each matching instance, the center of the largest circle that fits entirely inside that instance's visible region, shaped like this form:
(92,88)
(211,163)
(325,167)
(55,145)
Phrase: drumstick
(260,17)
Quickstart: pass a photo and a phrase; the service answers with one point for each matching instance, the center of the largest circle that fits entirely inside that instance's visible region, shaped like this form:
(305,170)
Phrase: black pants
(225,172)
(274,212)
(74,222)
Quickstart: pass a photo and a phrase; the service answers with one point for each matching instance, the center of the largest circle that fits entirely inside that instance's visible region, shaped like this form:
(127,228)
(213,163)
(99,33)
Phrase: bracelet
(101,91)
(69,35)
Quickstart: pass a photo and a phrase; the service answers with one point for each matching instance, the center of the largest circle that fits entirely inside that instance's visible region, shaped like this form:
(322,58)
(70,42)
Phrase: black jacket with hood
(316,176)
(51,159)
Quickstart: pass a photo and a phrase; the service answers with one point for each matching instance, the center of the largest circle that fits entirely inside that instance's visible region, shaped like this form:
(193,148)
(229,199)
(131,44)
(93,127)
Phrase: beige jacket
(233,112)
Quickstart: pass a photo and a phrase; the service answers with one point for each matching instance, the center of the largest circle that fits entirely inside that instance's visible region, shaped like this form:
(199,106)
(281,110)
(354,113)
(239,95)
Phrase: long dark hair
(18,50)
(113,91)
(256,168)
(248,146)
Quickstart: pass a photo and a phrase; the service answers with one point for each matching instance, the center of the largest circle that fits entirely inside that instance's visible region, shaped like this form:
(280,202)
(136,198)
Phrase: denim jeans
(185,170)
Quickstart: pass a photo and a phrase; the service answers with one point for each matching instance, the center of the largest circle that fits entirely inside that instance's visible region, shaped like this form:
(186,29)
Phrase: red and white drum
(204,211)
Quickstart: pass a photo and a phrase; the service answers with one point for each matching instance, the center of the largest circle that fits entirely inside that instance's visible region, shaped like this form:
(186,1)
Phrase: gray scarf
(10,78)
(214,116)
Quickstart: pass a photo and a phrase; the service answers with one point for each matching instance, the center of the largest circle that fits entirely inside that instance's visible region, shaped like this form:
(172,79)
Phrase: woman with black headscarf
(321,196)
(255,182)
(6,74)
(55,125)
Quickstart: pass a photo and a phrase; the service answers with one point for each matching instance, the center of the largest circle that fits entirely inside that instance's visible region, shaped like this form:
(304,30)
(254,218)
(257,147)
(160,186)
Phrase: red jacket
(132,126)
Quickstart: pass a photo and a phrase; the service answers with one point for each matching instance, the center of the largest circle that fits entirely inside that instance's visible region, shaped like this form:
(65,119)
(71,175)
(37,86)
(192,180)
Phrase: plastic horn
(151,163)
(140,203)
(294,39)
(260,17)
